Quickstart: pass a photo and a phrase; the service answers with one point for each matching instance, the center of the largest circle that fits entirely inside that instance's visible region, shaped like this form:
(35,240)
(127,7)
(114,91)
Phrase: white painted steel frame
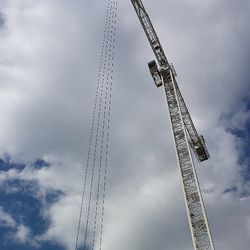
(198,223)
(183,130)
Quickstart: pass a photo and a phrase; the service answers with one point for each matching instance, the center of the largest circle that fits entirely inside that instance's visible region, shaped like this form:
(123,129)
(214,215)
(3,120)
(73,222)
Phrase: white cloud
(22,234)
(6,219)
(49,56)
(64,221)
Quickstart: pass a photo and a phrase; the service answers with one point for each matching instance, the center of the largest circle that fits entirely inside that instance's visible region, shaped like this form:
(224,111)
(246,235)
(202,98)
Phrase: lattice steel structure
(184,133)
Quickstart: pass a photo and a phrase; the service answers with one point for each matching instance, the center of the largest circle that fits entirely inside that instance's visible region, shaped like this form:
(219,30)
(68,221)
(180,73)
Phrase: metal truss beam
(184,133)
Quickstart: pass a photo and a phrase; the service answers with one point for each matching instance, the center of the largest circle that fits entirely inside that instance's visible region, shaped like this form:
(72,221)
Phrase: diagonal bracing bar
(184,133)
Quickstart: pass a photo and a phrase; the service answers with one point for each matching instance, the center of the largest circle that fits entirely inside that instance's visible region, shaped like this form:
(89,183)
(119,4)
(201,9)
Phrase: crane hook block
(155,73)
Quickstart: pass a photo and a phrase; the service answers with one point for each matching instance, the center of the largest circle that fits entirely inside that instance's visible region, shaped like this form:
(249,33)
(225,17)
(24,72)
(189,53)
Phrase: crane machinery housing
(184,133)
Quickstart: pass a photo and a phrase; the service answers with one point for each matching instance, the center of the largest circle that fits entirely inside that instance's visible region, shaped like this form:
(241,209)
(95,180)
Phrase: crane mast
(184,133)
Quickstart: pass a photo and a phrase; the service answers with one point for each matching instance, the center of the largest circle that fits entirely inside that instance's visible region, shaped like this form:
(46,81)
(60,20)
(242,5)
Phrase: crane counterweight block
(153,68)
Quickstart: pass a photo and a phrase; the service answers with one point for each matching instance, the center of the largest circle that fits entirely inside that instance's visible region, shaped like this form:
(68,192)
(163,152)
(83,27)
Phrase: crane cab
(155,73)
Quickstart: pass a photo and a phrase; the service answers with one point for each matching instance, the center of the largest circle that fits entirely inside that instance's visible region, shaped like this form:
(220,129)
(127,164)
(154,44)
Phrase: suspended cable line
(105,124)
(108,130)
(96,145)
(100,70)
(94,179)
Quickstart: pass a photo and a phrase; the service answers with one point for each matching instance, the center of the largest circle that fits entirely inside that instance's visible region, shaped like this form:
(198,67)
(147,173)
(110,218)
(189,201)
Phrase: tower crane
(185,135)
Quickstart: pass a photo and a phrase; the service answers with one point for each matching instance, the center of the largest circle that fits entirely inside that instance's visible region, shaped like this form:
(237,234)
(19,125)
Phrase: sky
(49,56)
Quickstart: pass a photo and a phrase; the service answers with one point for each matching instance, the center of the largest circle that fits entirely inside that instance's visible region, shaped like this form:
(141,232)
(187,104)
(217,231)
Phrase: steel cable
(105,39)
(108,129)
(97,129)
(105,125)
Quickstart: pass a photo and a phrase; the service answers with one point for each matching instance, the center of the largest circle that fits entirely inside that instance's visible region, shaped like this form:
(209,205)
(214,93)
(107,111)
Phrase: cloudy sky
(49,57)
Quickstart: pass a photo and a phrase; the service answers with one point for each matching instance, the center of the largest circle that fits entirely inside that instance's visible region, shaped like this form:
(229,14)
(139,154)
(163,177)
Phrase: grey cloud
(54,47)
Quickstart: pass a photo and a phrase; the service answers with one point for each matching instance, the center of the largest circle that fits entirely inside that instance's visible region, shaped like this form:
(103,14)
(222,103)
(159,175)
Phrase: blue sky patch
(24,202)
(230,190)
(44,246)
(6,165)
(38,164)
(21,202)
(240,130)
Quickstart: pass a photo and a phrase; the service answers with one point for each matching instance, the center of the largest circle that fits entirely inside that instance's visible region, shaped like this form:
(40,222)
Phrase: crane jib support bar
(196,141)
(150,33)
(184,133)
